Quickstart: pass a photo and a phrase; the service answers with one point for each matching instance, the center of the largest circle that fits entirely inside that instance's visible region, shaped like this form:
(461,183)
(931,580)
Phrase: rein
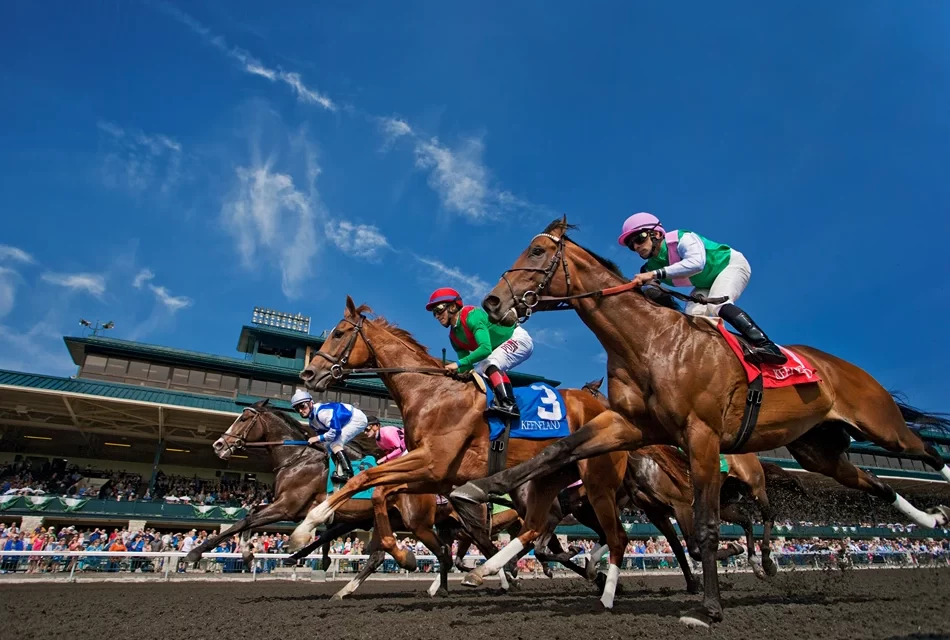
(532,297)
(337,372)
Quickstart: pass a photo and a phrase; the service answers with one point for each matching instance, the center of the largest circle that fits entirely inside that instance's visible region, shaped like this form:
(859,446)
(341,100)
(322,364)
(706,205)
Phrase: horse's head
(249,427)
(535,272)
(346,346)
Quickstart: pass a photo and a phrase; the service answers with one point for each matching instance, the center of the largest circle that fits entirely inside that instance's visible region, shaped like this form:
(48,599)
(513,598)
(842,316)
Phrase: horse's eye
(537,251)
(338,333)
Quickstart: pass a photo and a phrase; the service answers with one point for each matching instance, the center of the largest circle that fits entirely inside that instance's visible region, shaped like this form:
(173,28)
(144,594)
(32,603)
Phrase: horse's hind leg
(822,450)
(768,521)
(376,557)
(733,513)
(661,521)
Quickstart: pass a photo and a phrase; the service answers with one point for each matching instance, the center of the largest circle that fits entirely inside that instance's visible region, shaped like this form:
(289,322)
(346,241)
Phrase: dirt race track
(911,604)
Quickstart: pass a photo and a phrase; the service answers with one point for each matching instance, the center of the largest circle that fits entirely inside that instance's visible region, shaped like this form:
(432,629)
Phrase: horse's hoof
(441,593)
(472,580)
(468,492)
(692,588)
(697,618)
(601,582)
(757,568)
(192,557)
(410,563)
(548,572)
(336,596)
(771,569)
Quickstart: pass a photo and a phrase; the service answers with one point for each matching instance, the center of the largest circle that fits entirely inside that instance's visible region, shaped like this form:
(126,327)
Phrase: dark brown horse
(448,440)
(301,482)
(748,476)
(673,380)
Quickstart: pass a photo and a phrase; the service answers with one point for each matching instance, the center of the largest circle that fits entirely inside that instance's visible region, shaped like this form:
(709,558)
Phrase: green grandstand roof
(137,393)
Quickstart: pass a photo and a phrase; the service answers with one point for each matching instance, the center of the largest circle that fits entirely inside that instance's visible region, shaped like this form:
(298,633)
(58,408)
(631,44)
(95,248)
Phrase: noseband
(532,297)
(236,443)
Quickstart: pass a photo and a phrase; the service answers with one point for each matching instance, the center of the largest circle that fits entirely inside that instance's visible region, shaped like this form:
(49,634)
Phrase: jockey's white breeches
(353,428)
(730,283)
(510,353)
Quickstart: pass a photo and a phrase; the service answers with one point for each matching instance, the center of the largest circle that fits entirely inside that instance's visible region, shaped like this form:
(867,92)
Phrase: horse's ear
(350,307)
(564,221)
(599,382)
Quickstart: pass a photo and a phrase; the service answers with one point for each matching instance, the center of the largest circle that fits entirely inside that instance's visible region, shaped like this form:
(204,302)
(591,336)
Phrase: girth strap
(750,415)
(498,449)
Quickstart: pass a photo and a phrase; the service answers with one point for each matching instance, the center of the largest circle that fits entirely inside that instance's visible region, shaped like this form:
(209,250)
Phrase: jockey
(335,423)
(479,343)
(390,439)
(684,258)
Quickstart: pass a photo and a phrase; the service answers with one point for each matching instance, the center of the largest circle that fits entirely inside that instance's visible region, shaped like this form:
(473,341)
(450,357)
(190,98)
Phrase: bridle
(532,297)
(235,443)
(337,363)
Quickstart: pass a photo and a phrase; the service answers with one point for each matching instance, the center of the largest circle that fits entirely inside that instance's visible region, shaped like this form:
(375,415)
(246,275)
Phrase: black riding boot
(763,348)
(344,470)
(504,401)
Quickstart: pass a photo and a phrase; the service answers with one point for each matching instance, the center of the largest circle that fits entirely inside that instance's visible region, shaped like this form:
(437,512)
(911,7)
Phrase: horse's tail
(917,419)
(778,476)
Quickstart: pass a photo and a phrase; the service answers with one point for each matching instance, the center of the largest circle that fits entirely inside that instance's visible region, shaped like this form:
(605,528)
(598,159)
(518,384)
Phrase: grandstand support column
(158,458)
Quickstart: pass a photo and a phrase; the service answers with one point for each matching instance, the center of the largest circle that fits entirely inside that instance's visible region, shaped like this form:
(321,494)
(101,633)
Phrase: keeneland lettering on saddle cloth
(542,410)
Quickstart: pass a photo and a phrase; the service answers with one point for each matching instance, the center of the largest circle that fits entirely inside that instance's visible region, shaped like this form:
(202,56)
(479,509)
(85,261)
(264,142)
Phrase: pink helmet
(639,222)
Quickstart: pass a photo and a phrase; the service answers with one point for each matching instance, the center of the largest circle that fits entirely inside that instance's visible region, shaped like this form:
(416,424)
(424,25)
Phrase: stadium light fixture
(38,437)
(98,327)
(116,444)
(178,450)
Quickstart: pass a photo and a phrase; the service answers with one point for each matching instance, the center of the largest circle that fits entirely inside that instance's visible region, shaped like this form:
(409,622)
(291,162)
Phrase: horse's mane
(407,338)
(655,295)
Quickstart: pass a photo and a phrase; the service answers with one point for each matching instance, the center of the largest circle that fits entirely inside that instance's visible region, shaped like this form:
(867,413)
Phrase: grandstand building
(153,411)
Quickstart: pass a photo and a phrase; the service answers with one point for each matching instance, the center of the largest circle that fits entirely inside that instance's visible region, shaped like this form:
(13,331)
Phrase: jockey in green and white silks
(684,258)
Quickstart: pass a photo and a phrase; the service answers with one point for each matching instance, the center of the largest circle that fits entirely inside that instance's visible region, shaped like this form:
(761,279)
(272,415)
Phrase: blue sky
(170,166)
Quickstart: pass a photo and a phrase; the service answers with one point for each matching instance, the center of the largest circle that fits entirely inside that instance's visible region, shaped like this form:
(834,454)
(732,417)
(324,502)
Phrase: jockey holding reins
(335,423)
(493,348)
(684,258)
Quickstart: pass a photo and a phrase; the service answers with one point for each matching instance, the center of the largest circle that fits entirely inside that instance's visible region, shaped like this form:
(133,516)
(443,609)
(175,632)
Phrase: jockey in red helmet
(479,343)
(686,259)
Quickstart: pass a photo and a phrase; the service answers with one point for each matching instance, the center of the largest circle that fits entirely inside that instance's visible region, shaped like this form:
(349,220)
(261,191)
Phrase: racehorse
(673,380)
(301,482)
(448,440)
(746,471)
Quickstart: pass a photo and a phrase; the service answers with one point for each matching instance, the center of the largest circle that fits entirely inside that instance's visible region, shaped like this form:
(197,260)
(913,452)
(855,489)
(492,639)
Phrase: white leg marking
(613,574)
(915,514)
(434,587)
(350,587)
(497,561)
(320,514)
(503,579)
(945,472)
(595,557)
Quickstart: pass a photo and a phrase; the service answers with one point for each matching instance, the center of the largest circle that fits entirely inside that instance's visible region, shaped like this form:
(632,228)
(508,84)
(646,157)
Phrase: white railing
(171,563)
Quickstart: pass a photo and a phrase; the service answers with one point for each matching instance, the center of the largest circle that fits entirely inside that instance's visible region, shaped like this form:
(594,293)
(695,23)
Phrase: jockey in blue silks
(335,424)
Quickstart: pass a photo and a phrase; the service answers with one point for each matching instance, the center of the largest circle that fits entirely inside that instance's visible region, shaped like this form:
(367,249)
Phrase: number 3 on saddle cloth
(764,376)
(543,416)
(358,466)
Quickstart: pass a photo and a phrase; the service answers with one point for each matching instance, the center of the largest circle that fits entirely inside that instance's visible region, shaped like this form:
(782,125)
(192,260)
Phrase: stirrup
(768,356)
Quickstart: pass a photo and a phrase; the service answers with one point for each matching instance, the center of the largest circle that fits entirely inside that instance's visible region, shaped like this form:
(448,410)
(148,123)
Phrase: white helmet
(300,397)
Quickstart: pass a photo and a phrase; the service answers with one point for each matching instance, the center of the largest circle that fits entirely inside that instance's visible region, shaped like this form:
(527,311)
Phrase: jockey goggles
(638,238)
(439,308)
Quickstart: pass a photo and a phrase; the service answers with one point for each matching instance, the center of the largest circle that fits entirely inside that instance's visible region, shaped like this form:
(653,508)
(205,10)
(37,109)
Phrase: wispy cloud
(469,285)
(251,64)
(172,303)
(601,358)
(40,349)
(392,128)
(554,338)
(272,221)
(142,277)
(357,240)
(88,282)
(15,254)
(137,161)
(8,283)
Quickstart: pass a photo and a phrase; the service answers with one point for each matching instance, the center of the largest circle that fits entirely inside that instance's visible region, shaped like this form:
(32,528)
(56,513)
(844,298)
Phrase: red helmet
(445,294)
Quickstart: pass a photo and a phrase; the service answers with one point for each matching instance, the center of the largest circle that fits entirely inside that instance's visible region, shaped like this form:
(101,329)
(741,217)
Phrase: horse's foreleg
(415,466)
(275,512)
(703,449)
(603,476)
(376,557)
(608,432)
(425,535)
(768,521)
(383,528)
(661,521)
(734,513)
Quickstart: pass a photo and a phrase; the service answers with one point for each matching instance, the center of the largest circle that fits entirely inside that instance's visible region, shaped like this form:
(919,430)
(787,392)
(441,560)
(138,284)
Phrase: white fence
(167,566)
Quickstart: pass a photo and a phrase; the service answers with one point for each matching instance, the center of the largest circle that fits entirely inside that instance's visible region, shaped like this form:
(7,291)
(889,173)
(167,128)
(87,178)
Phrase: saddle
(498,448)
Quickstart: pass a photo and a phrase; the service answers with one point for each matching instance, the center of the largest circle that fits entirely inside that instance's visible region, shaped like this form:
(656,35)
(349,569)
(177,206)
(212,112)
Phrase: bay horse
(746,471)
(448,440)
(672,379)
(301,482)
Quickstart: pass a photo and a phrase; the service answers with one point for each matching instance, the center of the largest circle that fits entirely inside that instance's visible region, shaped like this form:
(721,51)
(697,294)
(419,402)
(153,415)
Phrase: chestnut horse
(748,472)
(301,481)
(673,380)
(448,440)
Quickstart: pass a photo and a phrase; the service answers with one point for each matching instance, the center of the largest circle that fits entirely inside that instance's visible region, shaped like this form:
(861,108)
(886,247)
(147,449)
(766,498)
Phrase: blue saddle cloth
(543,414)
(358,466)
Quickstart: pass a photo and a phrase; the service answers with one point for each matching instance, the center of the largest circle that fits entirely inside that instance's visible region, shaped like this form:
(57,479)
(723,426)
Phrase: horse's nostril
(491,303)
(306,375)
